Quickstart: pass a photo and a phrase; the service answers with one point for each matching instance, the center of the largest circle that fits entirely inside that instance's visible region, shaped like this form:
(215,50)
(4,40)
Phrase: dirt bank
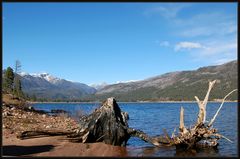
(57,146)
(18,117)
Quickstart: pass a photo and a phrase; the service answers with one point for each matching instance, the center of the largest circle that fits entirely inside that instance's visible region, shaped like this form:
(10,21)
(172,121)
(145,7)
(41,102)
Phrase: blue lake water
(152,118)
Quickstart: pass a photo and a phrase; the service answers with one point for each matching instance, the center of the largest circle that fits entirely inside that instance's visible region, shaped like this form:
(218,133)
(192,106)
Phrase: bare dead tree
(201,134)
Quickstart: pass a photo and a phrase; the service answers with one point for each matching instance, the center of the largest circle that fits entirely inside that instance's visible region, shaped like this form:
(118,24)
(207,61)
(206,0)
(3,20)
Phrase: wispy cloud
(215,52)
(209,35)
(220,48)
(212,23)
(187,46)
(166,10)
(218,29)
(208,23)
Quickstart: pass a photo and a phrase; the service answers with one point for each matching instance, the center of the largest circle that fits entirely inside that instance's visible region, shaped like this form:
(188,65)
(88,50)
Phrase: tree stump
(106,124)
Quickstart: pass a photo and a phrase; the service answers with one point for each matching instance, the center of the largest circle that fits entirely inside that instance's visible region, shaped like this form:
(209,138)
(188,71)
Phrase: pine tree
(8,80)
(17,82)
(18,88)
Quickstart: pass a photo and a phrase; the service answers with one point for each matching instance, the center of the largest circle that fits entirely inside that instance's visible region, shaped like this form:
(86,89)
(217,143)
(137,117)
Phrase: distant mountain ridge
(47,86)
(99,86)
(180,85)
(176,86)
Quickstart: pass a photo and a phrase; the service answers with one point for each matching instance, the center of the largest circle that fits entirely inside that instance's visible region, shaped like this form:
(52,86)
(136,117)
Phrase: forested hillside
(177,86)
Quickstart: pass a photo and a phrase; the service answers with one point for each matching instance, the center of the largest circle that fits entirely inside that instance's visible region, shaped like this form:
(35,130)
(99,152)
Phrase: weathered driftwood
(41,133)
(202,134)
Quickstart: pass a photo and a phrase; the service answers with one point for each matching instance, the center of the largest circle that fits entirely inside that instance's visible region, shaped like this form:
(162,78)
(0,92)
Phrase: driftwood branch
(182,128)
(214,117)
(173,133)
(202,104)
(140,134)
(40,133)
(200,135)
(226,138)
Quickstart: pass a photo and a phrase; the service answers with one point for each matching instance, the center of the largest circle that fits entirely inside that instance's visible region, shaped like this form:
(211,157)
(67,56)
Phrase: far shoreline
(218,101)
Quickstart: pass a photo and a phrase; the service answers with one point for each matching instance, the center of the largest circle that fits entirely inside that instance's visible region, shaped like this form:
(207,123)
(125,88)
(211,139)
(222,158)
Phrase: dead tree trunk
(107,124)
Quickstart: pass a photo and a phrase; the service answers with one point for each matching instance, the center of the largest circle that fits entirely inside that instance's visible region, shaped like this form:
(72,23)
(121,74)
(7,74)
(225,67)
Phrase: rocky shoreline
(18,117)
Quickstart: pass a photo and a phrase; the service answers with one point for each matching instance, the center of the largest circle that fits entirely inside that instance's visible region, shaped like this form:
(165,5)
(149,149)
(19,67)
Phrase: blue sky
(110,42)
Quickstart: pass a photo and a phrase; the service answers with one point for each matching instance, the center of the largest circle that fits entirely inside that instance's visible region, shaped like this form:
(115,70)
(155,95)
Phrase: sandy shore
(18,118)
(57,146)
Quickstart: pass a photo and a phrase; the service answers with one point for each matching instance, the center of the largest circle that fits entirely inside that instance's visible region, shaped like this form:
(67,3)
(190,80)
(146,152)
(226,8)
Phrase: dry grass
(9,99)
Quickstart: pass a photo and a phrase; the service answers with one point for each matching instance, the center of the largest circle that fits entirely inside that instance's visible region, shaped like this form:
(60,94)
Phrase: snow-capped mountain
(47,77)
(44,85)
(99,86)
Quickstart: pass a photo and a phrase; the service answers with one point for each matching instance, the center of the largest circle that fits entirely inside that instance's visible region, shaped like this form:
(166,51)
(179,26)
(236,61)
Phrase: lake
(152,118)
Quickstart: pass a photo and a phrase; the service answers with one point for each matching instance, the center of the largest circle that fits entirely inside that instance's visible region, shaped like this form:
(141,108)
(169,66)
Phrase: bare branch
(202,105)
(214,117)
(210,86)
(181,125)
(226,138)
(144,137)
(198,101)
(173,134)
(221,136)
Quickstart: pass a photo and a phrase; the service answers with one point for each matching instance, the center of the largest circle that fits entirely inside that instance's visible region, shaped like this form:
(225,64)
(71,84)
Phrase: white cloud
(215,51)
(164,43)
(187,45)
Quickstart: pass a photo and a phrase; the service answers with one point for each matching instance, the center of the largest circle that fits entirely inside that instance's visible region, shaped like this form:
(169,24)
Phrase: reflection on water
(150,151)
(152,118)
(171,151)
(204,152)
